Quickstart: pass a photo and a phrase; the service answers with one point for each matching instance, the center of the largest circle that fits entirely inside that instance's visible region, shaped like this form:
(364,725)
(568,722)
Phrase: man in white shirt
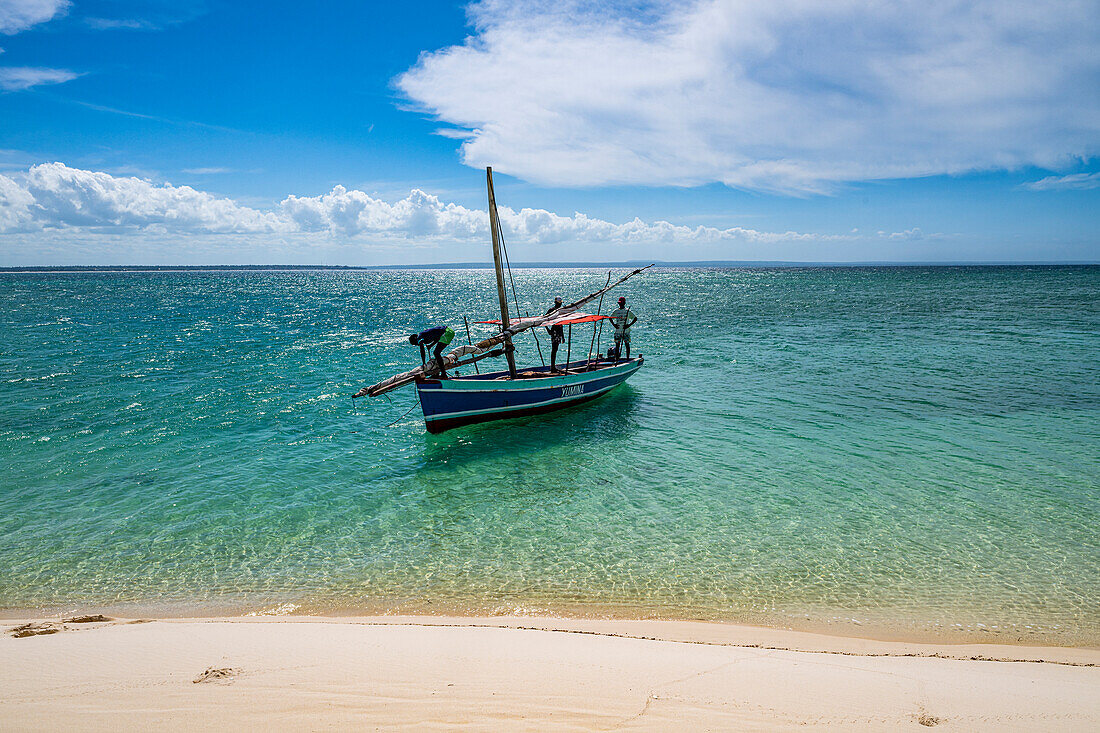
(622,319)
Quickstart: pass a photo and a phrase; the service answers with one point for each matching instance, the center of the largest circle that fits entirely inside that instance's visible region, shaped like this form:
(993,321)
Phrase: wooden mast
(494,223)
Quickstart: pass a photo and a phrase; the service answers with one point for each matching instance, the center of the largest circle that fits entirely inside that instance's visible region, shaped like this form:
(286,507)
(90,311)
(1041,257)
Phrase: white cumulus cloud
(15,206)
(786,95)
(70,197)
(54,196)
(19,15)
(351,213)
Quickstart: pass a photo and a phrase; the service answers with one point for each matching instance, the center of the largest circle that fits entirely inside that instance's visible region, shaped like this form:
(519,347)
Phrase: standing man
(440,336)
(557,335)
(622,319)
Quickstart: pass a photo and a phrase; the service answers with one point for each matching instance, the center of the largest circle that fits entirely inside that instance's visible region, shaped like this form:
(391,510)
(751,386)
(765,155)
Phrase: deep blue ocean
(896,450)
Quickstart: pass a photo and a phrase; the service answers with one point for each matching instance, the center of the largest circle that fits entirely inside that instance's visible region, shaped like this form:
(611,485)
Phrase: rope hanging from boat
(417,402)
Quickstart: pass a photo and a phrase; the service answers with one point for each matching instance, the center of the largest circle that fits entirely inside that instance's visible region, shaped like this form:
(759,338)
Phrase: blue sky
(356,133)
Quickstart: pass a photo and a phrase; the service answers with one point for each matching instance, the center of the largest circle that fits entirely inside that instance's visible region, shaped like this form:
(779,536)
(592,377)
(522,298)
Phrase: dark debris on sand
(95,618)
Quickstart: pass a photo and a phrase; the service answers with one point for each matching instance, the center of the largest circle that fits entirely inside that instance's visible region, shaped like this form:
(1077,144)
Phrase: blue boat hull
(450,403)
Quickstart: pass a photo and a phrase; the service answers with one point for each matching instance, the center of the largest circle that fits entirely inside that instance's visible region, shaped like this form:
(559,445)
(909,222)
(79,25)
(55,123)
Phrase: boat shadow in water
(612,417)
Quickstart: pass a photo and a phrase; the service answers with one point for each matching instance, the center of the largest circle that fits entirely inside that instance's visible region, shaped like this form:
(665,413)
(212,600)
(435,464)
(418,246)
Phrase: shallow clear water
(915,449)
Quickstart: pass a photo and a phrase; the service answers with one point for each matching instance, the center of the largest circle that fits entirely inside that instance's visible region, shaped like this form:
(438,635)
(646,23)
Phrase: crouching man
(440,336)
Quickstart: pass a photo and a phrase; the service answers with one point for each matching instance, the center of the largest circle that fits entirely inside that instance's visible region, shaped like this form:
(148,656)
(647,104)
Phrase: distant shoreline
(748,264)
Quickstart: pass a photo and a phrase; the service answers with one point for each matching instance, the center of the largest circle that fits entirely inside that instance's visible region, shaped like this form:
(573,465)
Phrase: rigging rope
(515,298)
(599,311)
(537,344)
(406,412)
(508,264)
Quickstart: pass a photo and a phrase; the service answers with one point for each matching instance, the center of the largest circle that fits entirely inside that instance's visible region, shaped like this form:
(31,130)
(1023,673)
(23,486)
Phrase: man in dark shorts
(440,336)
(557,335)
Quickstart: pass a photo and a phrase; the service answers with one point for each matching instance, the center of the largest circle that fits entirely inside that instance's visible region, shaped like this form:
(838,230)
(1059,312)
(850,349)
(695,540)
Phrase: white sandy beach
(435,673)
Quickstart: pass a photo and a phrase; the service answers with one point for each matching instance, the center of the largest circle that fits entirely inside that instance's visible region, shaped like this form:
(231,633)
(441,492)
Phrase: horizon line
(550,265)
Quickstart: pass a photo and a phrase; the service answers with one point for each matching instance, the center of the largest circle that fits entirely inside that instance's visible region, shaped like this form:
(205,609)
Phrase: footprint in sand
(38,628)
(928,720)
(35,628)
(217,674)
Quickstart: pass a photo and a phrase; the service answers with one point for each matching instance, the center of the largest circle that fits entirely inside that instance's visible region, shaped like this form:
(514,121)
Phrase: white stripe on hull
(529,405)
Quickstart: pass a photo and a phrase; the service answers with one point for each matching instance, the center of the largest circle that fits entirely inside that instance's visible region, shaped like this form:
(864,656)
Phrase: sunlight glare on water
(914,448)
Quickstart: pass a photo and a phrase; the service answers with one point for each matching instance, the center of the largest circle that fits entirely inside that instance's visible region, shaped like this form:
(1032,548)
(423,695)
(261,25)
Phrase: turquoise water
(912,450)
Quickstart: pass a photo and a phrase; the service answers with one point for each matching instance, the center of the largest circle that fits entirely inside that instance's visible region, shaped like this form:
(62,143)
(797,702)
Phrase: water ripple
(910,447)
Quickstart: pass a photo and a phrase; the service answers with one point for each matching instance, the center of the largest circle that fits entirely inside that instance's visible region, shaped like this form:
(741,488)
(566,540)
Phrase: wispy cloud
(788,95)
(18,78)
(143,116)
(1072,182)
(54,196)
(142,15)
(19,15)
(110,24)
(114,110)
(908,235)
